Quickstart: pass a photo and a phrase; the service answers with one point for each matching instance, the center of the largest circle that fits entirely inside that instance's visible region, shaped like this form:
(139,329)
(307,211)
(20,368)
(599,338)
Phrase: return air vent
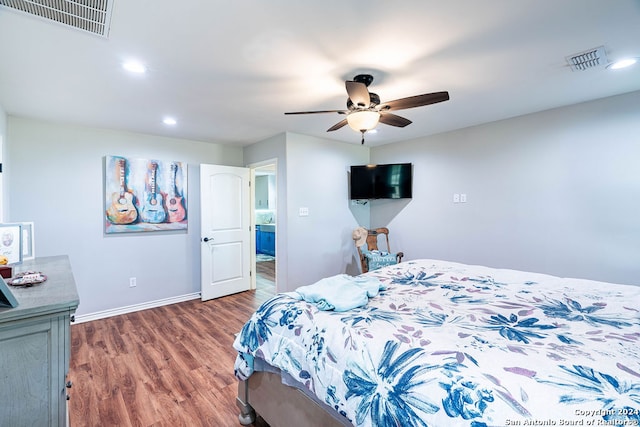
(592,58)
(93,16)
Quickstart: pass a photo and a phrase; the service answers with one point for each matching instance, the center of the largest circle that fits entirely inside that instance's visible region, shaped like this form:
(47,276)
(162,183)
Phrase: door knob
(206,239)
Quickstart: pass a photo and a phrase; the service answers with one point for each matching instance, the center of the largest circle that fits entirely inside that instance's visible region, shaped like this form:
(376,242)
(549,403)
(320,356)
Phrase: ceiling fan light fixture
(364,120)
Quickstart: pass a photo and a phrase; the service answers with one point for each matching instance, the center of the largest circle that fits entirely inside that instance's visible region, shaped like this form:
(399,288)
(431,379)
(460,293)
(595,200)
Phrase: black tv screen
(390,181)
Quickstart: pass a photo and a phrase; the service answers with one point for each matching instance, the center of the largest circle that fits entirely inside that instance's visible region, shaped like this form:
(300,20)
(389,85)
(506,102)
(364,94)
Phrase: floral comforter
(448,344)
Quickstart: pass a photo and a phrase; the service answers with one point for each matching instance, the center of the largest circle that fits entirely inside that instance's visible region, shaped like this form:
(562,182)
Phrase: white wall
(55,175)
(555,192)
(320,244)
(312,173)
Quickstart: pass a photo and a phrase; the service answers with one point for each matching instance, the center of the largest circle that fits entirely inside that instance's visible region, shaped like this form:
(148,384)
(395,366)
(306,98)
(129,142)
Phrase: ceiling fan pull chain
(362,142)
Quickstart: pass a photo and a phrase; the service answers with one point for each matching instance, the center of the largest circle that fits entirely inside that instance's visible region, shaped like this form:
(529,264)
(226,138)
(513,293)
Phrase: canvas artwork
(144,195)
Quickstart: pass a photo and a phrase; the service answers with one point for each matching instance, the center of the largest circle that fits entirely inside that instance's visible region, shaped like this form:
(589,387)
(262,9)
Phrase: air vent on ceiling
(93,16)
(592,58)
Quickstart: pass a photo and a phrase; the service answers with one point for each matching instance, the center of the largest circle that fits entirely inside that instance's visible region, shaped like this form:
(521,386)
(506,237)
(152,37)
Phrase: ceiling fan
(364,110)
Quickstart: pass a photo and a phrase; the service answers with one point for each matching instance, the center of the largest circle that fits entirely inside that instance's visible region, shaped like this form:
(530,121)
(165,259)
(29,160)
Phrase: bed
(445,344)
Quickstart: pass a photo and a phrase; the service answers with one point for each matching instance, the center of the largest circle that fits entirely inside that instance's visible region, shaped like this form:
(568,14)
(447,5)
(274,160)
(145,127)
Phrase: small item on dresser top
(6,271)
(27,278)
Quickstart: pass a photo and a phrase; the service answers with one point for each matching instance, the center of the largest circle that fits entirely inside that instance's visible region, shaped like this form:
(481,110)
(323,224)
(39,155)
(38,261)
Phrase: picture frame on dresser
(28,241)
(7,299)
(11,242)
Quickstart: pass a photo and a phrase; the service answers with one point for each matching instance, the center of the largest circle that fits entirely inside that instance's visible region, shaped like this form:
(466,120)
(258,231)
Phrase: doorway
(265,219)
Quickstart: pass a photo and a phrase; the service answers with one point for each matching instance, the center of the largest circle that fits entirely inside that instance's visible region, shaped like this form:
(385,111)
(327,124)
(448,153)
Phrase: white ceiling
(228,70)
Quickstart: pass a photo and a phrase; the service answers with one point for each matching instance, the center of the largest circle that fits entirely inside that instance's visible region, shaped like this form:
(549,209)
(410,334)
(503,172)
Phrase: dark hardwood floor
(166,366)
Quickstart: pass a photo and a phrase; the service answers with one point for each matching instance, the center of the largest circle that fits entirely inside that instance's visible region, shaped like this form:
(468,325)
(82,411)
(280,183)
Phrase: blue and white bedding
(447,344)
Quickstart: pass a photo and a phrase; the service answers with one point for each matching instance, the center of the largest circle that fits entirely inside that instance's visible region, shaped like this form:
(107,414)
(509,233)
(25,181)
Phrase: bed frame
(281,405)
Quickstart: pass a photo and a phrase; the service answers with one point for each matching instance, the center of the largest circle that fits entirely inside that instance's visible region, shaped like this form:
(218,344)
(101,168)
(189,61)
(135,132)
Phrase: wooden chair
(372,244)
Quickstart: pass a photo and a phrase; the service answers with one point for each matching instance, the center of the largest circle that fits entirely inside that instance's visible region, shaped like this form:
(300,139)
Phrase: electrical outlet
(456,198)
(132,282)
(463,198)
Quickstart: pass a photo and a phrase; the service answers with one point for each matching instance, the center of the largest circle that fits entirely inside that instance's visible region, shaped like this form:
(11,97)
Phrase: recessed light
(170,121)
(623,63)
(134,67)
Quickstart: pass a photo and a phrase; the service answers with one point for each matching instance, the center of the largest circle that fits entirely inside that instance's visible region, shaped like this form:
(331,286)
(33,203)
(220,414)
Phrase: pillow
(378,259)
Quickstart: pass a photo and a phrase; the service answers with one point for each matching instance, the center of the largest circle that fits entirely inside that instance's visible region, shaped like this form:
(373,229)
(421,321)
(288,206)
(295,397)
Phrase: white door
(226,237)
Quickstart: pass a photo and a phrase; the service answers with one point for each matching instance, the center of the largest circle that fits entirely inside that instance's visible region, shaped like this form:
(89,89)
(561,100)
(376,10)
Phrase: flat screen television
(389,181)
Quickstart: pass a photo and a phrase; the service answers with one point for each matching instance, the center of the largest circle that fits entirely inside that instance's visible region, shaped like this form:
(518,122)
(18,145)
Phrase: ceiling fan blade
(318,112)
(337,125)
(394,120)
(358,93)
(415,101)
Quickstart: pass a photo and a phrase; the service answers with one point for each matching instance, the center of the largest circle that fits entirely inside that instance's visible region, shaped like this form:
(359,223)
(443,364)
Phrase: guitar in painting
(173,201)
(153,208)
(122,209)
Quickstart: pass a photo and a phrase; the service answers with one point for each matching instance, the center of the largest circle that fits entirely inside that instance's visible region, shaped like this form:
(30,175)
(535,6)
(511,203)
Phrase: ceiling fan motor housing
(363,78)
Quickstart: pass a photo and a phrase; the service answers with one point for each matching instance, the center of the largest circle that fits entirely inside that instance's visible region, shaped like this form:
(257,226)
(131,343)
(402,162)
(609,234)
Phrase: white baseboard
(136,307)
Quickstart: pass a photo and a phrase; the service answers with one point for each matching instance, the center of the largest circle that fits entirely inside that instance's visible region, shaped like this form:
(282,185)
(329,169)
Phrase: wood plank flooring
(166,366)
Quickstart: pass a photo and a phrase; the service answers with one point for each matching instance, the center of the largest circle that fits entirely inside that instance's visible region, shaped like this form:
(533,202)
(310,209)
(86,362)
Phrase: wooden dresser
(35,346)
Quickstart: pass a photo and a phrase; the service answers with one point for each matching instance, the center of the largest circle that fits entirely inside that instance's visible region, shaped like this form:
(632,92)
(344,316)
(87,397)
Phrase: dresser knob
(68,397)
(69,384)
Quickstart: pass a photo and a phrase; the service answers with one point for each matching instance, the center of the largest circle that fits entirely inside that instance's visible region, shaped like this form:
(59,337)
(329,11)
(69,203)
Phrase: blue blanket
(339,293)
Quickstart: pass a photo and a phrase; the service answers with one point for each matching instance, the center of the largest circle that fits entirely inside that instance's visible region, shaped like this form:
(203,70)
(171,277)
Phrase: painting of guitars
(173,201)
(144,195)
(153,207)
(122,209)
